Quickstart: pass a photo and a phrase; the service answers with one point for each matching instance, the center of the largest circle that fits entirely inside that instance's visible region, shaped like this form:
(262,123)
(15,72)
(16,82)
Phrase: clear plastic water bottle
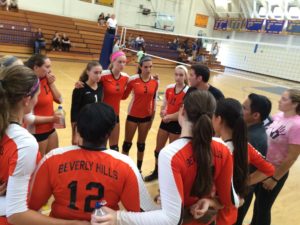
(61,123)
(98,211)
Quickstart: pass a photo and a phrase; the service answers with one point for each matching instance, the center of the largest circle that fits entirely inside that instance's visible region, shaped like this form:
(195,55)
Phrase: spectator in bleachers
(101,19)
(39,42)
(112,24)
(56,42)
(215,50)
(175,44)
(140,53)
(131,41)
(194,48)
(117,46)
(139,41)
(107,17)
(65,43)
(185,45)
(4,4)
(199,45)
(13,5)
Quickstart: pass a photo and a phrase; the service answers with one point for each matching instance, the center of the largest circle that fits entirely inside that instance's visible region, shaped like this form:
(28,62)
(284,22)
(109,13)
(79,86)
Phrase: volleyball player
(169,126)
(43,124)
(19,90)
(229,124)
(114,83)
(185,170)
(90,93)
(80,176)
(141,109)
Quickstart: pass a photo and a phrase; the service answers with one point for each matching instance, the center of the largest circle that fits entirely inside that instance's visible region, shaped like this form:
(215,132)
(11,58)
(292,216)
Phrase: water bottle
(98,211)
(61,123)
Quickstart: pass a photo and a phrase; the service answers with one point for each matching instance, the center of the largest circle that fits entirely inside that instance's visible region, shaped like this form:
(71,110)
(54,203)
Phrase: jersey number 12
(87,205)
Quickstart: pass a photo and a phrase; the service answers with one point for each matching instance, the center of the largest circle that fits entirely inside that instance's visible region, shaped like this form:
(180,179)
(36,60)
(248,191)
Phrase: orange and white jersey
(256,159)
(144,95)
(78,178)
(18,159)
(177,172)
(43,107)
(172,100)
(113,89)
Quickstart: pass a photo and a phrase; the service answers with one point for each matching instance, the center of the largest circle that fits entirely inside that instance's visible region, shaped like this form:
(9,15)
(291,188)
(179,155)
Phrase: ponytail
(4,109)
(199,106)
(240,155)
(84,76)
(16,82)
(202,137)
(230,111)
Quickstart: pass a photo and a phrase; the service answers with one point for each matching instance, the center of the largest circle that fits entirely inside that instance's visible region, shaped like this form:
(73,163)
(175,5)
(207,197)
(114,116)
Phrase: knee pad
(140,147)
(114,147)
(126,146)
(156,154)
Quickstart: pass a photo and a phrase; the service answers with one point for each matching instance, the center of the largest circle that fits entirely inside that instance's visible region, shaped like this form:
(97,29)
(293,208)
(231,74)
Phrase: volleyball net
(273,55)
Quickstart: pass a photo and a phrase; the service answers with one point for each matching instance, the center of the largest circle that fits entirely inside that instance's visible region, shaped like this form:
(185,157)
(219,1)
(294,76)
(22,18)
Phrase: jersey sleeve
(171,189)
(257,160)
(29,118)
(2,205)
(76,98)
(128,89)
(225,189)
(20,173)
(135,189)
(40,181)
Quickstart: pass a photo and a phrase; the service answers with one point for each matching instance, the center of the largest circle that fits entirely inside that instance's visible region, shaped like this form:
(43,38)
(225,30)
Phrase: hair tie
(145,58)
(116,55)
(34,88)
(183,68)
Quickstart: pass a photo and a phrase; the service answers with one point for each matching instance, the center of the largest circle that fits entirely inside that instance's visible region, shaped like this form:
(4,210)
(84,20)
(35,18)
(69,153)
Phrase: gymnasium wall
(127,12)
(282,62)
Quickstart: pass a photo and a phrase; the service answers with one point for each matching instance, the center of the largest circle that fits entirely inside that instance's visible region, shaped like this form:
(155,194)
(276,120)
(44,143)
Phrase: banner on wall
(254,24)
(221,24)
(201,20)
(235,24)
(293,26)
(105,2)
(274,26)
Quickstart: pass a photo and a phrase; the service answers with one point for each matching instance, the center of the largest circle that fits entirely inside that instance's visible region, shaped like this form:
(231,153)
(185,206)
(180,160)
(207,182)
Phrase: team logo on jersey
(117,86)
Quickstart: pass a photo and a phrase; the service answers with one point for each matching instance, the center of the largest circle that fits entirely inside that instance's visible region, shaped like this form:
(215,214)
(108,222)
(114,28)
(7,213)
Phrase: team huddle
(220,152)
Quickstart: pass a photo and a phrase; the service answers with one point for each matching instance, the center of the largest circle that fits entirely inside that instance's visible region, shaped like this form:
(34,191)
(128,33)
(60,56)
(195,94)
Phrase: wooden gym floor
(233,84)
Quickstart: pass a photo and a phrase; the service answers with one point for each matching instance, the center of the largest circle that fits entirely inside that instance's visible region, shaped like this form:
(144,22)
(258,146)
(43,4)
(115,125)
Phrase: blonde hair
(295,98)
(186,72)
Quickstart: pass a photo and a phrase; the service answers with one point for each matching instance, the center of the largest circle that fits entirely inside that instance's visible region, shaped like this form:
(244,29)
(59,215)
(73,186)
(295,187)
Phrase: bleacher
(17,30)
